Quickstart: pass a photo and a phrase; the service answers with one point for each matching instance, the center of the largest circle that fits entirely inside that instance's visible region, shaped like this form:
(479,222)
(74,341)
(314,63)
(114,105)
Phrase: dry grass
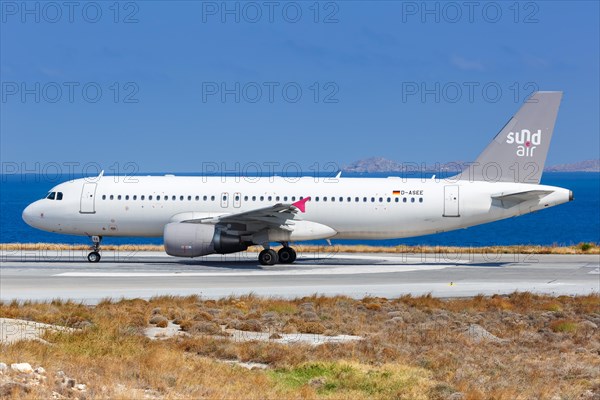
(581,248)
(413,347)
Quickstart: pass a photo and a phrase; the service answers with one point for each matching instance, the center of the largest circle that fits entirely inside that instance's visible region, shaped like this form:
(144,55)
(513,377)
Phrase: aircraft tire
(268,257)
(94,257)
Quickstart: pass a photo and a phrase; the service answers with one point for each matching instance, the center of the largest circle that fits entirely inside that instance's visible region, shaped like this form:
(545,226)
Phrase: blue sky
(353,80)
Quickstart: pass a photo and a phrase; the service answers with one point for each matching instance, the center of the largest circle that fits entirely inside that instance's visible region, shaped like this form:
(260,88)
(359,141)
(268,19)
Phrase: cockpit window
(59,196)
(51,195)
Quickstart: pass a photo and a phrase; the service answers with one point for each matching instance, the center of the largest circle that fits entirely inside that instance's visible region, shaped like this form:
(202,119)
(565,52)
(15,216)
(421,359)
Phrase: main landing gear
(94,256)
(285,255)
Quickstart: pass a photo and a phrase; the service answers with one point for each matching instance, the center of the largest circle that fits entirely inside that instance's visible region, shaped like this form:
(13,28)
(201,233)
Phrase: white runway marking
(295,270)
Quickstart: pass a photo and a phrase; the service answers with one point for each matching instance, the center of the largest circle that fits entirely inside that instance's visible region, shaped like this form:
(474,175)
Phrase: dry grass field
(520,346)
(581,248)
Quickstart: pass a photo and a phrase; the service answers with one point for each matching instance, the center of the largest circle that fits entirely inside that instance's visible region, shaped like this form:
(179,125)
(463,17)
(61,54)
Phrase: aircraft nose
(31,214)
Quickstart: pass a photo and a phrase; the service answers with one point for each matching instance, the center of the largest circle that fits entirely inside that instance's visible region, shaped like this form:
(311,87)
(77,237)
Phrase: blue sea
(567,224)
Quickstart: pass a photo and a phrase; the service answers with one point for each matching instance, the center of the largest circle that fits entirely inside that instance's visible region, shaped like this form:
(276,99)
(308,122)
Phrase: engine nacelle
(195,240)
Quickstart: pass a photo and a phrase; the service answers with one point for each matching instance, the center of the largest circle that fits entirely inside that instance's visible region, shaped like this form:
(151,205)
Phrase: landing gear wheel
(287,255)
(268,257)
(94,257)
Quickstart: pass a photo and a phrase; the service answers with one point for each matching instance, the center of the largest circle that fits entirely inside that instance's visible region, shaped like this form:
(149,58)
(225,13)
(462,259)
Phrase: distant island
(380,164)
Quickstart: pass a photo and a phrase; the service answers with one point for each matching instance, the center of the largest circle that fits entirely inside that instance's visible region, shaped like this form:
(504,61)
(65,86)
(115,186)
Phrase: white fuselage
(354,208)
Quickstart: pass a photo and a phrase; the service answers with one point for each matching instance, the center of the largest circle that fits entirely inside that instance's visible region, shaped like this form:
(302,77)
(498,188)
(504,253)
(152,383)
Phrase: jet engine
(194,240)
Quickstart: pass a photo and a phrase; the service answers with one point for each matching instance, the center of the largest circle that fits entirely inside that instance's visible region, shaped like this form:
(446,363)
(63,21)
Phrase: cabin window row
(331,199)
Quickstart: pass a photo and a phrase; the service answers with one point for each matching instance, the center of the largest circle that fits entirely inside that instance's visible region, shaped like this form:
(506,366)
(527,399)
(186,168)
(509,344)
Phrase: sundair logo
(526,141)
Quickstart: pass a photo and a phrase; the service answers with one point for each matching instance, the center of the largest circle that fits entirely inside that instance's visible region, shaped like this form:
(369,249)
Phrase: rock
(275,336)
(456,396)
(478,334)
(158,319)
(81,387)
(156,311)
(70,383)
(22,367)
(40,371)
(82,325)
(3,367)
(393,314)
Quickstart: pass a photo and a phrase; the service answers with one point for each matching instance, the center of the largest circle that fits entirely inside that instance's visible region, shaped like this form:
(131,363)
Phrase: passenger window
(103,197)
(127,197)
(349,199)
(253,198)
(197,198)
(317,198)
(245,198)
(364,199)
(150,197)
(51,195)
(332,198)
(404,200)
(205,198)
(381,199)
(189,198)
(269,198)
(135,197)
(212,198)
(372,199)
(396,199)
(277,198)
(158,198)
(324,198)
(284,198)
(420,199)
(142,197)
(237,198)
(412,199)
(293,198)
(356,199)
(389,199)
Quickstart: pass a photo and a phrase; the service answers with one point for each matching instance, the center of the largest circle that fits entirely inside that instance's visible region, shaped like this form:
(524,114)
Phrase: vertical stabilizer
(518,153)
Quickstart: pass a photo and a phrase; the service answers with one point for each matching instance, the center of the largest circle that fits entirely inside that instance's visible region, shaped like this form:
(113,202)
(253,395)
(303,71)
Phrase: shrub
(563,325)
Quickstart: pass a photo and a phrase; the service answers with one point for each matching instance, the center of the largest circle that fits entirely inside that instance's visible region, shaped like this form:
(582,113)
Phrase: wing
(510,199)
(273,216)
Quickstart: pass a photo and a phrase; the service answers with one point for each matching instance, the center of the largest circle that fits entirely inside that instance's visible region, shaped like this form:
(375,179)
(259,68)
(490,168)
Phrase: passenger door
(87,204)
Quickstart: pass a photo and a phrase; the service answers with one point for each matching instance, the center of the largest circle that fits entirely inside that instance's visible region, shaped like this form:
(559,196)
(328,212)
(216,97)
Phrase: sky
(187,86)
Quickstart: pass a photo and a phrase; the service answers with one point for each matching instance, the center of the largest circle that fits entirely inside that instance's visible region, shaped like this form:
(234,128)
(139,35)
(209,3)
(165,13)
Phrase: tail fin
(518,152)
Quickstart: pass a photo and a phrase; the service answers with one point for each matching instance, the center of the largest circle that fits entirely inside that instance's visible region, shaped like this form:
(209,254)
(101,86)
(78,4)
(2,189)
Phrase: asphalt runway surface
(45,275)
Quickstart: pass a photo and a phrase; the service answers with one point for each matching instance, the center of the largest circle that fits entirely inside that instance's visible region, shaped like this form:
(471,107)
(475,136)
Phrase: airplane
(202,215)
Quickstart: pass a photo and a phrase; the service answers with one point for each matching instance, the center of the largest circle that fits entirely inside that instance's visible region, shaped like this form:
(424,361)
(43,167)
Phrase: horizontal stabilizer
(510,199)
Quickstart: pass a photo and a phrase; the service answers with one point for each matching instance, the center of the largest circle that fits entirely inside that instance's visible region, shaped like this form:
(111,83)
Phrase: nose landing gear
(94,256)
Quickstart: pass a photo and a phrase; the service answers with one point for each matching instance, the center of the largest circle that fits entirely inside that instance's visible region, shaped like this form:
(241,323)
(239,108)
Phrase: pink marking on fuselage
(301,204)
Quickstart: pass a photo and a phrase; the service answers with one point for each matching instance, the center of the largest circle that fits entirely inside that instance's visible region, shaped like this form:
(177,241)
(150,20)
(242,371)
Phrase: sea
(567,224)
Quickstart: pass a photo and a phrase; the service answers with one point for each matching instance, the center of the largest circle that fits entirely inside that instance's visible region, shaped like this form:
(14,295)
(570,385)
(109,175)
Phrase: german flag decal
(396,193)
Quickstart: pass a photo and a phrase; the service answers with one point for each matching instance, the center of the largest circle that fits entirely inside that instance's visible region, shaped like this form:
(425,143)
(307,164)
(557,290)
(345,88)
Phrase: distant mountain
(581,166)
(380,164)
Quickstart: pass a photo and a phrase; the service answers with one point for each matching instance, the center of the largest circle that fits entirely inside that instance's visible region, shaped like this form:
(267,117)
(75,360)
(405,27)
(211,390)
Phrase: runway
(43,275)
